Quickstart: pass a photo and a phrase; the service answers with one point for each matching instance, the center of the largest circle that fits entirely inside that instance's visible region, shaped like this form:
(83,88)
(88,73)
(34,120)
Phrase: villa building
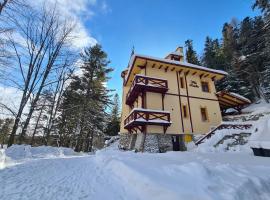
(167,101)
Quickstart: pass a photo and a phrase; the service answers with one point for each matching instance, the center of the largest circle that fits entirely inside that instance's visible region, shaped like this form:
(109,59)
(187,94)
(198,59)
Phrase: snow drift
(20,153)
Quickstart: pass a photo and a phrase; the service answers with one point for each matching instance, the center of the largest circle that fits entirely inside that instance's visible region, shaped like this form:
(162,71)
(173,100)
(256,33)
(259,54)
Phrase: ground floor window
(204,114)
(185,111)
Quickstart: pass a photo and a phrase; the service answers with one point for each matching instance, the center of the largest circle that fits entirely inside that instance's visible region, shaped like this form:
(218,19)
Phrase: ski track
(64,178)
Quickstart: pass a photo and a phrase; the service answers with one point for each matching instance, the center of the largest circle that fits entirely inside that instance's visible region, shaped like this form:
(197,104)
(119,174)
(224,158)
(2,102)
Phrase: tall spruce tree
(87,97)
(264,6)
(191,55)
(213,57)
(113,125)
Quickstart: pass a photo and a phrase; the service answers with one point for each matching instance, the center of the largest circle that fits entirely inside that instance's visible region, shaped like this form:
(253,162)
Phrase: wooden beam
(233,99)
(201,75)
(229,101)
(143,66)
(213,78)
(173,69)
(206,75)
(180,71)
(187,73)
(160,66)
(153,66)
(166,69)
(194,73)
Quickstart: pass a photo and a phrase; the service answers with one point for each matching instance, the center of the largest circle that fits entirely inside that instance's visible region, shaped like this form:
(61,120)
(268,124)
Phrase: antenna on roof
(132,51)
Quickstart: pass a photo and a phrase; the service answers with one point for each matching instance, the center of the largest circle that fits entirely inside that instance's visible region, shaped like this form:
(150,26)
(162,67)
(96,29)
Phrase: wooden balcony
(144,83)
(140,117)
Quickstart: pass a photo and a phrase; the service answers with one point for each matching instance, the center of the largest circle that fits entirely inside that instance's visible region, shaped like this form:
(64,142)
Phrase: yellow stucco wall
(171,102)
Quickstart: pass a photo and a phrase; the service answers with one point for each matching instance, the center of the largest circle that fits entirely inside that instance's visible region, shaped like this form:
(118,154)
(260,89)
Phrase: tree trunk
(37,123)
(33,104)
(16,122)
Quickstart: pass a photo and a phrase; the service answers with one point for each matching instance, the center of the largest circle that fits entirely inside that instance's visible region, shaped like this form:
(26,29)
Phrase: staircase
(223,126)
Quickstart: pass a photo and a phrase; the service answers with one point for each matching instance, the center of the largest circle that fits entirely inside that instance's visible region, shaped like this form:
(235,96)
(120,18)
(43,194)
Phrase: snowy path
(119,175)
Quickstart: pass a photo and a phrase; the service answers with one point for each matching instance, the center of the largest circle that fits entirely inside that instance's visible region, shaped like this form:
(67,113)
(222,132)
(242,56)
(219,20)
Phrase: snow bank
(112,174)
(209,145)
(186,175)
(19,153)
(259,107)
(261,136)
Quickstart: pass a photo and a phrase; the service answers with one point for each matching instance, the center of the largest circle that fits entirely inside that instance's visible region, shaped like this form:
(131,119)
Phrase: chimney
(176,55)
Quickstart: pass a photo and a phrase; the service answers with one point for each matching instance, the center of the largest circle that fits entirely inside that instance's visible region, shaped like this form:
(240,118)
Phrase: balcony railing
(140,117)
(145,83)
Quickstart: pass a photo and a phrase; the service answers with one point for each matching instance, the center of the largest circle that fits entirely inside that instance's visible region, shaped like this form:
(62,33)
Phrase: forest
(64,99)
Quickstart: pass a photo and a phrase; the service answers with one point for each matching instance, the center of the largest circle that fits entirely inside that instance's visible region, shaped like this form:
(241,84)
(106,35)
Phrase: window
(205,87)
(185,112)
(182,82)
(204,114)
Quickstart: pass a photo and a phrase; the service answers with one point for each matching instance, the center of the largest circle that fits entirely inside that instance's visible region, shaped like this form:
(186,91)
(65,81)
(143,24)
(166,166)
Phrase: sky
(157,27)
(153,27)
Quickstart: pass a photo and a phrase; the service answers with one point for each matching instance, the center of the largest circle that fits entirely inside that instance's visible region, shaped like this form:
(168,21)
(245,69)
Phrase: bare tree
(3,5)
(63,75)
(42,48)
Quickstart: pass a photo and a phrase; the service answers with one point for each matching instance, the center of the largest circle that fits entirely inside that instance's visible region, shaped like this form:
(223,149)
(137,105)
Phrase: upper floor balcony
(145,83)
(140,117)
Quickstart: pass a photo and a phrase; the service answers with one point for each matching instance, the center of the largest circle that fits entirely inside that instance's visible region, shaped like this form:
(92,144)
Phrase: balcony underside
(139,88)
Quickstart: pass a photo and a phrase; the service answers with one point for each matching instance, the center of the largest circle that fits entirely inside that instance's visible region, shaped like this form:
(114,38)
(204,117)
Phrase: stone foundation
(124,141)
(152,143)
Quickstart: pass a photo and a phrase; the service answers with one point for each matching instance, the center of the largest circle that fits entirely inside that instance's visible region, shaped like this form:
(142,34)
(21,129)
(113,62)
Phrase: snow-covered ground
(112,174)
(42,173)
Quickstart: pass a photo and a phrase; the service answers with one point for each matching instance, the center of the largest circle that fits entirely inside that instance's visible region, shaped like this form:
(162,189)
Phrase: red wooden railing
(146,83)
(147,117)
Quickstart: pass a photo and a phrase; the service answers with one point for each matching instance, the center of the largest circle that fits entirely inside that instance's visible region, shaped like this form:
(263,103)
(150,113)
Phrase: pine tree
(214,58)
(264,6)
(113,125)
(191,55)
(86,99)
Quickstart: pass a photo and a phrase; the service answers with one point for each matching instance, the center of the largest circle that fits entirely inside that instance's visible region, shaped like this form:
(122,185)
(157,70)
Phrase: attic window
(205,86)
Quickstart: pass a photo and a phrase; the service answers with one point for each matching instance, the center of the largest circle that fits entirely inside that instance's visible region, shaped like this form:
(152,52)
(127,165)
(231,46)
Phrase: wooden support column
(180,104)
(163,95)
(190,117)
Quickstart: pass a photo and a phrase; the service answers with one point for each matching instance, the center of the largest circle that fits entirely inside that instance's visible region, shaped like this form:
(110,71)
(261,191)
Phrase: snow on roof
(177,53)
(185,64)
(240,97)
(149,110)
(234,95)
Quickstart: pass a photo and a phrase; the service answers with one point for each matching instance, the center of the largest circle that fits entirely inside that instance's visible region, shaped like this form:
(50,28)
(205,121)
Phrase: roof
(178,52)
(231,100)
(173,62)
